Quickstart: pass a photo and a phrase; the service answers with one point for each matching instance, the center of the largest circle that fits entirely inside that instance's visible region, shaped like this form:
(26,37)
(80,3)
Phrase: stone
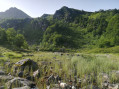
(36,74)
(2,72)
(19,83)
(30,78)
(25,87)
(113,86)
(25,63)
(78,55)
(20,74)
(105,85)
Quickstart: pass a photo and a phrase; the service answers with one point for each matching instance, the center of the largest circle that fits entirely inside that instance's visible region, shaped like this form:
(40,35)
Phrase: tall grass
(69,65)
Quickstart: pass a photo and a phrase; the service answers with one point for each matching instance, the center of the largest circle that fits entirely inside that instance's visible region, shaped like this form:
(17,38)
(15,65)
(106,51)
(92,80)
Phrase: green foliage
(68,29)
(2,36)
(11,33)
(105,44)
(11,37)
(19,40)
(32,29)
(60,35)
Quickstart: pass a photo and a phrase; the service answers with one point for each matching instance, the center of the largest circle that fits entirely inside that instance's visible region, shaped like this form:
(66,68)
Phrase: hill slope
(13,13)
(70,28)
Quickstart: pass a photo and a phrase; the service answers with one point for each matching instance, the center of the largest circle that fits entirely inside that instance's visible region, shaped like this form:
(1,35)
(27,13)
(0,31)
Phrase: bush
(105,44)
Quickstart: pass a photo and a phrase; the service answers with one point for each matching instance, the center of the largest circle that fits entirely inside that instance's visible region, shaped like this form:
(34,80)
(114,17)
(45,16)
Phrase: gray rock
(113,86)
(20,83)
(2,72)
(25,63)
(2,56)
(104,85)
(20,74)
(78,55)
(25,87)
(36,74)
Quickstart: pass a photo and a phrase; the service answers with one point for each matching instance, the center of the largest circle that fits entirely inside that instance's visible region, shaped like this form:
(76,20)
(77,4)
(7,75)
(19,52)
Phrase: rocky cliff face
(67,14)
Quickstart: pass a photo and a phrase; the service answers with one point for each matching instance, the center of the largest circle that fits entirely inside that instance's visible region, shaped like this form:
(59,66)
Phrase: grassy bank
(101,50)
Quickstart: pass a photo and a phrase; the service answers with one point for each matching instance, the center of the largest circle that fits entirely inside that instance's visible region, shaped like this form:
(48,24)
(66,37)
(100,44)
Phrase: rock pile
(17,79)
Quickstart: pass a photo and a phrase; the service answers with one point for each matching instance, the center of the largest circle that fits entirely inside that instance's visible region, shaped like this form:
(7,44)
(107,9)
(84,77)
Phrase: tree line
(13,38)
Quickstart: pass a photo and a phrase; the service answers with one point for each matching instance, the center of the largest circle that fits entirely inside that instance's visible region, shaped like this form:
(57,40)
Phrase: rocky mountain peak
(13,13)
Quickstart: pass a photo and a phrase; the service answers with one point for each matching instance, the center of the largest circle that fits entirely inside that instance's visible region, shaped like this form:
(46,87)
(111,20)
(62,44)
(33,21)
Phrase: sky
(36,8)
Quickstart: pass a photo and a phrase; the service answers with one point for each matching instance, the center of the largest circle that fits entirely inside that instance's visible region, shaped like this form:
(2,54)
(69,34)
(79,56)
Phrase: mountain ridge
(69,28)
(13,13)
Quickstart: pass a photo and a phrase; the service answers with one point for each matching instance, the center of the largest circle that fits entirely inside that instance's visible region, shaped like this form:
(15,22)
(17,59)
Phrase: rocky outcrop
(68,14)
(27,64)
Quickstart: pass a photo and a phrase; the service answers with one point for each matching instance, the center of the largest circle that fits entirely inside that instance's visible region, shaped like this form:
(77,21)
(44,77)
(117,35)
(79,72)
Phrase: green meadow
(68,66)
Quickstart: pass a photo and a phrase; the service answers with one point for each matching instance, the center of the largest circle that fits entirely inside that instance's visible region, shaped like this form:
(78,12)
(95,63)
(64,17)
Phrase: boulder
(23,64)
(20,83)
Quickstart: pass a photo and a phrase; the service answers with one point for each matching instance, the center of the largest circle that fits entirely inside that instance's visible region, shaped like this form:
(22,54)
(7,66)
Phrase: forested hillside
(69,28)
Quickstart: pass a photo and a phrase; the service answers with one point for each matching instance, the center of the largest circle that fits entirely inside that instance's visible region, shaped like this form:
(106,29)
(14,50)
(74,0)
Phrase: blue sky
(36,8)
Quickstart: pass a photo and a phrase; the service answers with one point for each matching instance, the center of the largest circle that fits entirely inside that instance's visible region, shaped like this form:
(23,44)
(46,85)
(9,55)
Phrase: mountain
(69,28)
(13,13)
(69,14)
